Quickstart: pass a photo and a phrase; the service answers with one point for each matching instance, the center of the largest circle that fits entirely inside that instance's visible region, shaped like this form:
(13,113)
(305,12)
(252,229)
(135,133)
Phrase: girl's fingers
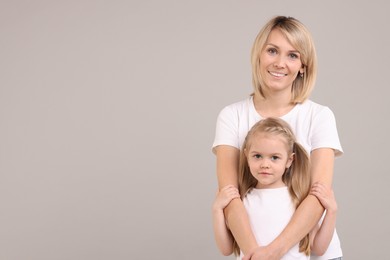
(228,187)
(231,189)
(316,194)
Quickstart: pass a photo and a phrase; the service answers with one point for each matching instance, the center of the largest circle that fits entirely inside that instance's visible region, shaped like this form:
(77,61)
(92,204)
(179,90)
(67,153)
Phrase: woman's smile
(277,74)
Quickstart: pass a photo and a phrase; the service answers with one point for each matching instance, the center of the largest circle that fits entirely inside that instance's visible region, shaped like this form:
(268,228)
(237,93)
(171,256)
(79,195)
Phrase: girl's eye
(273,158)
(257,156)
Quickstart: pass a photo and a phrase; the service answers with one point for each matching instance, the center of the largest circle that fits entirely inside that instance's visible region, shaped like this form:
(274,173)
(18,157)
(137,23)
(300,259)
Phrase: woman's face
(280,63)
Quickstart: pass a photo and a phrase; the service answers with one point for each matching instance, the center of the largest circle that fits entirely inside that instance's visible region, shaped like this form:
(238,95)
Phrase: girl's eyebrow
(271,154)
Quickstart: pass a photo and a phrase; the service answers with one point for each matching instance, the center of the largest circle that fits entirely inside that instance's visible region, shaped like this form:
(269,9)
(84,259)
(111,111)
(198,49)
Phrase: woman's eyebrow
(277,47)
(273,45)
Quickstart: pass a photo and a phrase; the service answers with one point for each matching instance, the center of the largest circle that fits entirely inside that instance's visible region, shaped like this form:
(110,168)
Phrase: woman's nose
(279,62)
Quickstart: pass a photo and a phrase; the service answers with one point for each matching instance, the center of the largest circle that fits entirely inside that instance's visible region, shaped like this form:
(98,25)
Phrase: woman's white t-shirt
(314,126)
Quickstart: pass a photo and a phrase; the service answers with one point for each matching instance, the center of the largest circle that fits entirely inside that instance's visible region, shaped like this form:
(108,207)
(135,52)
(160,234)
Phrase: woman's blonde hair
(300,38)
(296,177)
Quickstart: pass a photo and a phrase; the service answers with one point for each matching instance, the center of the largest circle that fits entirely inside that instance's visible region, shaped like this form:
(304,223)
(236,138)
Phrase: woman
(283,73)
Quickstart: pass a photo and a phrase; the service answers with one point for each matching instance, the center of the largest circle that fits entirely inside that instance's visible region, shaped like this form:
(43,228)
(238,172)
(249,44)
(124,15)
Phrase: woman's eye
(271,51)
(293,56)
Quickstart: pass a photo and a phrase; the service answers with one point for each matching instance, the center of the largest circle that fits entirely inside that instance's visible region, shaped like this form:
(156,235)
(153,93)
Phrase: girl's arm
(323,235)
(223,236)
(235,213)
(307,214)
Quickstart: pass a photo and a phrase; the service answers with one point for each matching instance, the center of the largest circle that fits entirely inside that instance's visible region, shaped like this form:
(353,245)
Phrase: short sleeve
(324,132)
(226,132)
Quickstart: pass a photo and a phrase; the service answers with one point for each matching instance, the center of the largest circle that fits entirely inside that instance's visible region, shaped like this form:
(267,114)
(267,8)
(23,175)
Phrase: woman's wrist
(278,249)
(280,246)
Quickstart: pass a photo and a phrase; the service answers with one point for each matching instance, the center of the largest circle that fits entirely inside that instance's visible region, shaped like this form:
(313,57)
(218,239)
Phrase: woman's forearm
(304,219)
(238,223)
(235,213)
(310,211)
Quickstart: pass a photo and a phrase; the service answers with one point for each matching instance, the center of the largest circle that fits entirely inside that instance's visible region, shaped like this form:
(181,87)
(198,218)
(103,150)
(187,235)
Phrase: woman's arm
(323,235)
(235,213)
(307,214)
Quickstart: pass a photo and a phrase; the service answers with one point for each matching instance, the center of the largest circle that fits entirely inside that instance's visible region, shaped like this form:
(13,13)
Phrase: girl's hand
(325,195)
(224,196)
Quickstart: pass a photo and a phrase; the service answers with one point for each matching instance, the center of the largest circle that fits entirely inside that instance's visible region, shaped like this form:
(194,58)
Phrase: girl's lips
(264,173)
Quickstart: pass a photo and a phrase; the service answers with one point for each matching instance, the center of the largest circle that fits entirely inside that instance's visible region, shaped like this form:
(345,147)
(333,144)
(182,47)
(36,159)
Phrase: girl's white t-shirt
(269,211)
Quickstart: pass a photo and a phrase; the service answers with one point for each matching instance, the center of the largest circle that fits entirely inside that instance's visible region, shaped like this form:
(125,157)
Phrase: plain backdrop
(108,111)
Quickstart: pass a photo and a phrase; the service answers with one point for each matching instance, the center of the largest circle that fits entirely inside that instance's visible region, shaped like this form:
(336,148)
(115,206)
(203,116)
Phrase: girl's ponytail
(298,180)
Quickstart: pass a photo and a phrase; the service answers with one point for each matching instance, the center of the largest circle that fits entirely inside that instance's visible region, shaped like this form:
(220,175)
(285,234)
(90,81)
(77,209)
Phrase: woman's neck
(272,106)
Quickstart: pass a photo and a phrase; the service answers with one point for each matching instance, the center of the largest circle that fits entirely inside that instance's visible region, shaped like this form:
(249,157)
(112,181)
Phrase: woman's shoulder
(314,113)
(239,107)
(242,104)
(312,107)
(311,104)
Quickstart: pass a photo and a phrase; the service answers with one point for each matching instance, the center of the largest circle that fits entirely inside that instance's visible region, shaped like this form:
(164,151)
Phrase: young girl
(274,178)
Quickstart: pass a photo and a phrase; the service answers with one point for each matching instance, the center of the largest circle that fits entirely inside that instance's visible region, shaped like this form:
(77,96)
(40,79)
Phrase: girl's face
(268,159)
(280,63)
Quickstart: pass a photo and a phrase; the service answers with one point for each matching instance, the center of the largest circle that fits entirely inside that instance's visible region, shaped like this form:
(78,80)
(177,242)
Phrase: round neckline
(269,189)
(252,105)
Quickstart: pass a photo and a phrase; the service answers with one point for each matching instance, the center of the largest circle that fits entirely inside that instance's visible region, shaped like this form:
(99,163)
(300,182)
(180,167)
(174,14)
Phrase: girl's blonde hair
(300,38)
(296,177)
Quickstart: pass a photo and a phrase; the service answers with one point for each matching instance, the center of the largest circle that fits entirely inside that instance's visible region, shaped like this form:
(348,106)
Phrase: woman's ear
(302,69)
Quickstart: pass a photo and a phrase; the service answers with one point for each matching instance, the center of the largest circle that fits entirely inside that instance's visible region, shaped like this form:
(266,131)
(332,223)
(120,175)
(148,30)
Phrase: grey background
(108,110)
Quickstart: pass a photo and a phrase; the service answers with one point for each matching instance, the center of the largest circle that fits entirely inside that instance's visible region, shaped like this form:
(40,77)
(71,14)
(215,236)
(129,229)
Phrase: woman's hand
(261,253)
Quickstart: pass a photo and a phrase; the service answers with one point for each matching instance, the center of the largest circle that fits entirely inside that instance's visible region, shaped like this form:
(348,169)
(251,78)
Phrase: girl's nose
(264,165)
